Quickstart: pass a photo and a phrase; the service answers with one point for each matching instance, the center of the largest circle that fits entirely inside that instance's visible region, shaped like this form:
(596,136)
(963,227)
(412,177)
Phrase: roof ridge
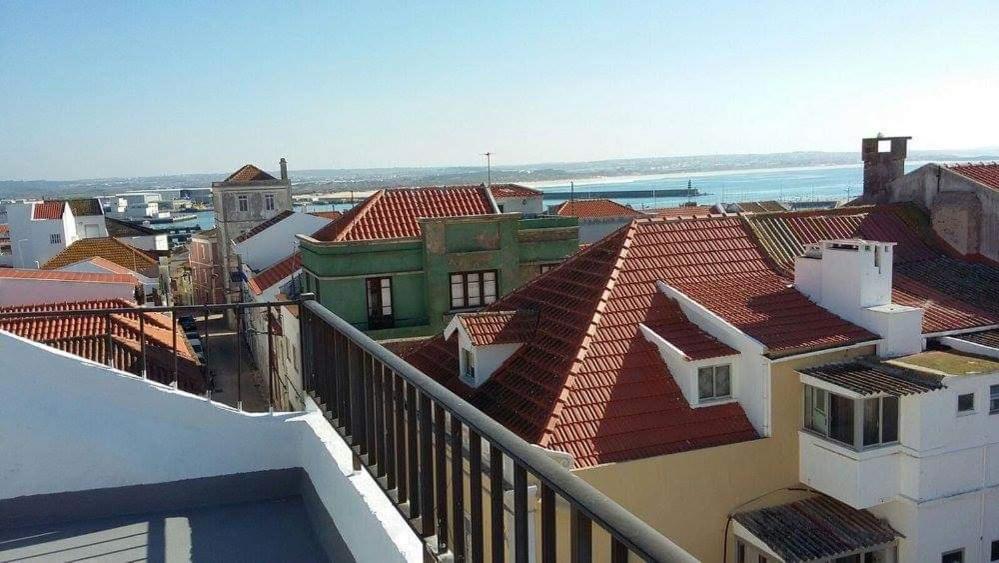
(363,211)
(591,331)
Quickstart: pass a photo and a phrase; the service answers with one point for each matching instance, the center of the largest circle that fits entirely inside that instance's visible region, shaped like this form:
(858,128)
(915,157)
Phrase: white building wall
(276,242)
(533,204)
(89,267)
(31,291)
(30,240)
(147,242)
(91,226)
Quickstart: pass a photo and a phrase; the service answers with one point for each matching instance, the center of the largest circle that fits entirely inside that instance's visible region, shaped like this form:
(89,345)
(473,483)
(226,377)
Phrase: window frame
(994,550)
(953,552)
(993,399)
(714,383)
(459,302)
(55,238)
(242,203)
(269,202)
(384,319)
(468,364)
(545,268)
(856,424)
(969,410)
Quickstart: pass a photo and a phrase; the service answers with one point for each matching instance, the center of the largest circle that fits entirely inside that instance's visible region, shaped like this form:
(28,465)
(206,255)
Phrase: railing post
(457,492)
(142,342)
(107,343)
(496,501)
(239,358)
(440,477)
(475,492)
(580,538)
(270,360)
(519,513)
(548,538)
(426,469)
(173,336)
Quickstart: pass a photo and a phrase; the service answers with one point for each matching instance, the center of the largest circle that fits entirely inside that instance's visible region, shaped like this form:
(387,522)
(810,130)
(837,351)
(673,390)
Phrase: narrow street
(235,377)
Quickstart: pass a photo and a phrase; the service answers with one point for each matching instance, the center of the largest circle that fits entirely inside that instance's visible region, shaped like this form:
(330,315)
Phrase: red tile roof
(106,265)
(55,275)
(263,226)
(248,173)
(108,248)
(48,210)
(690,339)
(499,327)
(87,336)
(326,214)
(683,211)
(395,213)
(4,230)
(513,190)
(955,293)
(267,278)
(595,208)
(983,173)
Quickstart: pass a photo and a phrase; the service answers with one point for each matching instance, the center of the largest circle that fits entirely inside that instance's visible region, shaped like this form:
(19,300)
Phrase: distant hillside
(304,181)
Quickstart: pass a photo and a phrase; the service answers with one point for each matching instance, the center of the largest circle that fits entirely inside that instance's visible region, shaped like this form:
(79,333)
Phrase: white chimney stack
(852,278)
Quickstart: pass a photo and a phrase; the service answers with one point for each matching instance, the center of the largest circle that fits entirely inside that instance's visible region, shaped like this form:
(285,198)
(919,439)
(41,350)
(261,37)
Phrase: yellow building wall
(689,496)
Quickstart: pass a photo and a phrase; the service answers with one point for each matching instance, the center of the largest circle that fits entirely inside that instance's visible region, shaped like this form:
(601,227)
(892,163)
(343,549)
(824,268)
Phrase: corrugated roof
(87,336)
(986,173)
(55,275)
(108,248)
(956,293)
(499,327)
(395,213)
(117,228)
(274,274)
(513,190)
(595,208)
(248,173)
(818,527)
(988,338)
(872,377)
(264,226)
(48,210)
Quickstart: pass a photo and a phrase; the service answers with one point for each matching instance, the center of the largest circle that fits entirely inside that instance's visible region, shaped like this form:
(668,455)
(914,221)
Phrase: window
(966,403)
(380,303)
(993,399)
(761,558)
(269,202)
(468,362)
(956,556)
(548,267)
(857,423)
(714,382)
(473,289)
(244,204)
(55,238)
(994,556)
(740,552)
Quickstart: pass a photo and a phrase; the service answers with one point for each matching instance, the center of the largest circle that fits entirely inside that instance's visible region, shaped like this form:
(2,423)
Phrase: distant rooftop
(986,173)
(593,208)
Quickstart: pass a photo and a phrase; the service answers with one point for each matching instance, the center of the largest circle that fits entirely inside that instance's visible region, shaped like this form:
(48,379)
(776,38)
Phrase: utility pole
(489,168)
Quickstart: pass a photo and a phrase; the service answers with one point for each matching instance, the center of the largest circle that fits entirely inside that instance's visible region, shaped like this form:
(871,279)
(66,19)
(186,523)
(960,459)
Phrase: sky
(118,89)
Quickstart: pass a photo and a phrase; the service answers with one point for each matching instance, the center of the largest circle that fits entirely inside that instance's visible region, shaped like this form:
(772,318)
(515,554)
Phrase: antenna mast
(489,168)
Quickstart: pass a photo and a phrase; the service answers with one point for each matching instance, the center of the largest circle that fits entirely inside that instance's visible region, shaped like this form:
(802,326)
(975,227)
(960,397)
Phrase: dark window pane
(889,419)
(953,557)
(995,551)
(841,419)
(723,383)
(872,421)
(705,383)
(966,402)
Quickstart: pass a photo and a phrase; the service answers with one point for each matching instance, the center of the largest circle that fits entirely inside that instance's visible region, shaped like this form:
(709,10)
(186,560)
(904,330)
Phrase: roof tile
(595,208)
(983,173)
(110,249)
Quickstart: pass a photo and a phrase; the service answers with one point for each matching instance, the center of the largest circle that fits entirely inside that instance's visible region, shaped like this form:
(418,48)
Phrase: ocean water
(787,184)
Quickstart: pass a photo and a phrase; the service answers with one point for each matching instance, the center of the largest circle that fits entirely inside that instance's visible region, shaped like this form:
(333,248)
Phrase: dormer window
(714,382)
(487,340)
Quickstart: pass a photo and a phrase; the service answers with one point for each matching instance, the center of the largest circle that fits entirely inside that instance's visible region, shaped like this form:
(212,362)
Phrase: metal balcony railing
(418,440)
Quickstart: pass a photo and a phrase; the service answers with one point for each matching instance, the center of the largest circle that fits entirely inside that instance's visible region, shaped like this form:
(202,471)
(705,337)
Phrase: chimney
(284,169)
(884,161)
(852,278)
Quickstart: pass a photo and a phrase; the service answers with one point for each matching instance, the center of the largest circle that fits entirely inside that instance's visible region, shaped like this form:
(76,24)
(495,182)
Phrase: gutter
(825,351)
(960,331)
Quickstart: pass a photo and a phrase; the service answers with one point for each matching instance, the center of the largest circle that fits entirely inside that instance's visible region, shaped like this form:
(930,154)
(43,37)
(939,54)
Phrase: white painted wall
(19,291)
(89,267)
(684,371)
(533,204)
(91,226)
(30,240)
(76,425)
(487,358)
(147,242)
(276,242)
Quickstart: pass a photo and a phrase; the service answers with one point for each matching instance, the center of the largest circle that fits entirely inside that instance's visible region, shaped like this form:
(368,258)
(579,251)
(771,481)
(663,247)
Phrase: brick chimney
(284,169)
(884,161)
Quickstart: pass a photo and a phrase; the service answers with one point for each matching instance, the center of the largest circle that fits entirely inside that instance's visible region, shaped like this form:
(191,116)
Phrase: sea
(825,183)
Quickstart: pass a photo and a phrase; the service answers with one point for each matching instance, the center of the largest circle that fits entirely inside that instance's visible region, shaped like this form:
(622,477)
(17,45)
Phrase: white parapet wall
(69,424)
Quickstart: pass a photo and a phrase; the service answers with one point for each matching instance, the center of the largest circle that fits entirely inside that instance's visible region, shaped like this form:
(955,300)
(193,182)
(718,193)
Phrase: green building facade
(410,287)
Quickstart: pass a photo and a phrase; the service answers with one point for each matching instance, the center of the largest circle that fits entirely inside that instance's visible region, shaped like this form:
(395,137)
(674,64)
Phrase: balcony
(382,464)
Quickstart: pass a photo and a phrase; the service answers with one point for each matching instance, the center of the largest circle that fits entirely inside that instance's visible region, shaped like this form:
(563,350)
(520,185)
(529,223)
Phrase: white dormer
(488,339)
(705,372)
(852,278)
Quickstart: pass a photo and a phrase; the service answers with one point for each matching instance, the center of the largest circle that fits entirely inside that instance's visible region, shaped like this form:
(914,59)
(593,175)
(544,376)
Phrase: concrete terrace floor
(270,530)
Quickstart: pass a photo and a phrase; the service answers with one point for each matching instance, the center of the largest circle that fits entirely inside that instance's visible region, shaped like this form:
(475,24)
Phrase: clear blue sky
(100,89)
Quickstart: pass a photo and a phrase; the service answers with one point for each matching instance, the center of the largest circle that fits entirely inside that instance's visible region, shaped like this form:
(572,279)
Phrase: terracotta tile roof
(816,528)
(248,173)
(956,293)
(48,210)
(270,276)
(683,211)
(108,248)
(759,206)
(395,213)
(106,265)
(117,228)
(690,339)
(85,206)
(55,275)
(872,377)
(588,383)
(499,327)
(983,173)
(326,214)
(513,190)
(264,226)
(86,336)
(595,208)
(4,230)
